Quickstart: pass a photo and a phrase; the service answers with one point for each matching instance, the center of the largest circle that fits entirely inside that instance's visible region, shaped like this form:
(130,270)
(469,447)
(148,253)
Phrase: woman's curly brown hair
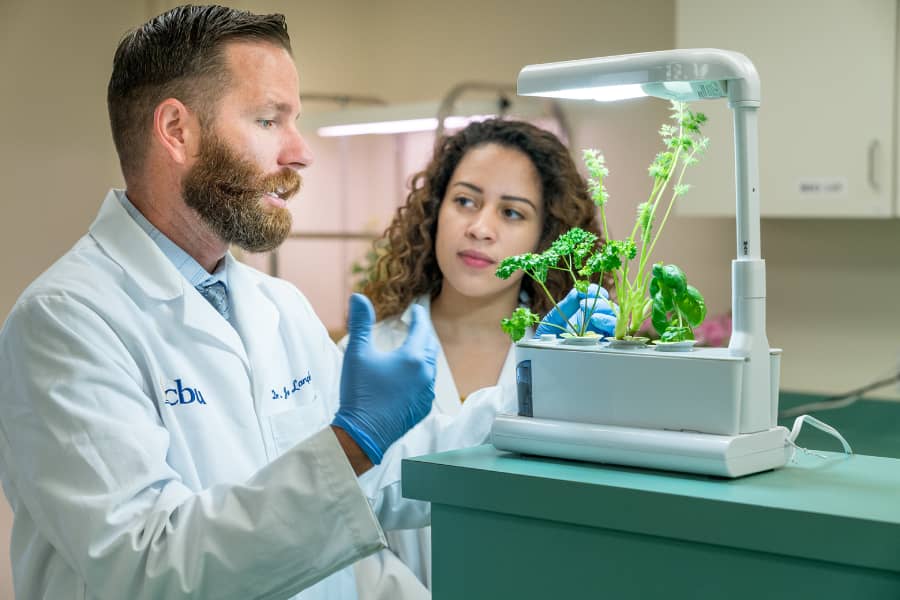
(407,266)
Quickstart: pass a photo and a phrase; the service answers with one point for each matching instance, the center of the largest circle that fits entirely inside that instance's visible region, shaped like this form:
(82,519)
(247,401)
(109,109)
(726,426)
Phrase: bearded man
(174,424)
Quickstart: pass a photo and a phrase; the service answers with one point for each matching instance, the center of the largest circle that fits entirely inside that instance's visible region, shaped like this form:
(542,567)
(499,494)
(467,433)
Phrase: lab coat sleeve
(438,432)
(84,447)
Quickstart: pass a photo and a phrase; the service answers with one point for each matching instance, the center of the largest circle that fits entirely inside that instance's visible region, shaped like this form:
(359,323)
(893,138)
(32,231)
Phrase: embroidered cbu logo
(183,395)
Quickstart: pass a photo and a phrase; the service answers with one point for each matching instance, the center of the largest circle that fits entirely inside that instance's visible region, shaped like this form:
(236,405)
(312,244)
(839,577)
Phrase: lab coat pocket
(297,423)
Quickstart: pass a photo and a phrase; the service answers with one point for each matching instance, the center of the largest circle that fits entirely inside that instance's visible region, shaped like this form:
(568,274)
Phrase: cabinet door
(827,116)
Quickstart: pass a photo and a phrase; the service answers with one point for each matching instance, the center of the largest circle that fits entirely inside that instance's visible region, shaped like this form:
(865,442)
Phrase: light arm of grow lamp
(662,74)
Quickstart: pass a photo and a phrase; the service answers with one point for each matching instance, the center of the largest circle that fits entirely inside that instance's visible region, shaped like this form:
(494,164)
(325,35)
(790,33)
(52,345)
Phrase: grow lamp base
(691,452)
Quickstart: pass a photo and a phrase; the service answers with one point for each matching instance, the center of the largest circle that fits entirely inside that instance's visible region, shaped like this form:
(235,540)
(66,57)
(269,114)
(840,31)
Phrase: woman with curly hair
(495,189)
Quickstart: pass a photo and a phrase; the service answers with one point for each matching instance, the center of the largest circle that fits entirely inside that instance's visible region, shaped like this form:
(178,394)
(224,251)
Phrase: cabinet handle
(873,149)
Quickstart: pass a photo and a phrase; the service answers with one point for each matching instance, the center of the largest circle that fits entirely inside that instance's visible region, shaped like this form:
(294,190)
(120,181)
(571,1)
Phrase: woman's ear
(177,130)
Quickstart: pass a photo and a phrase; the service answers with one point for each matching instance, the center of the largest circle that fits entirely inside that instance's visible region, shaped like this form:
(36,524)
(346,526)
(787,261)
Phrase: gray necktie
(217,295)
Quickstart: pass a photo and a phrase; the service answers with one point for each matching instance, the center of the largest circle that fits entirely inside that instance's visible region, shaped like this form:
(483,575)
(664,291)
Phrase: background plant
(365,269)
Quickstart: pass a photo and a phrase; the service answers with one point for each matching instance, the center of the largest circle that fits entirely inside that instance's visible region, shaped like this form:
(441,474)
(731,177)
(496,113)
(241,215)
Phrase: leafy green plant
(518,322)
(675,308)
(571,252)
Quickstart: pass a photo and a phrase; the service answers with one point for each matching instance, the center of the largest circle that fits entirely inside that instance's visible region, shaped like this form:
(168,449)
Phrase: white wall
(831,284)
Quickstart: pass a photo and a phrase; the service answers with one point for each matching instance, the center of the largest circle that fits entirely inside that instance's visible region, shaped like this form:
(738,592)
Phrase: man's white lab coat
(151,450)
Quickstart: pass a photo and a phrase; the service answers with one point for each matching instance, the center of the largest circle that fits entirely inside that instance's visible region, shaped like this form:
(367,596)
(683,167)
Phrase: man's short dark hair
(178,54)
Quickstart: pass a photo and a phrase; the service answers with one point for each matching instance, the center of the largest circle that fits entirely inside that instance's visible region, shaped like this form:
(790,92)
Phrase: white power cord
(798,424)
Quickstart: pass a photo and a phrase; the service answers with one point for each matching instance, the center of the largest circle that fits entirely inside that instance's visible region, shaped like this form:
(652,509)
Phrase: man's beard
(227,192)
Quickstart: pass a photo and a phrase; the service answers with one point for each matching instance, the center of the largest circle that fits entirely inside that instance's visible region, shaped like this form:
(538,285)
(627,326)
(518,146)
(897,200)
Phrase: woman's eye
(266,123)
(511,213)
(464,201)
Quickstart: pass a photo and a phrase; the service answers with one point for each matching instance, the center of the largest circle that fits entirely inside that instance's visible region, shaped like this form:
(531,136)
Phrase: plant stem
(560,327)
(603,221)
(586,318)
(555,305)
(672,200)
(638,289)
(642,264)
(653,192)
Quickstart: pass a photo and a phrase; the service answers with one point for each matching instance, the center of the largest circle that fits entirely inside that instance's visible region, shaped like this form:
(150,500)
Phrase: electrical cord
(798,424)
(840,400)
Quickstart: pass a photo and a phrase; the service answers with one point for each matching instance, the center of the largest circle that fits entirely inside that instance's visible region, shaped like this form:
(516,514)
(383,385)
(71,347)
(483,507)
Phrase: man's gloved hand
(574,306)
(384,394)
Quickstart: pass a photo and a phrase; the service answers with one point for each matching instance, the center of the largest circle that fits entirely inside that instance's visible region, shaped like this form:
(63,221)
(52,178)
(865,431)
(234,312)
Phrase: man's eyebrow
(282,107)
(475,188)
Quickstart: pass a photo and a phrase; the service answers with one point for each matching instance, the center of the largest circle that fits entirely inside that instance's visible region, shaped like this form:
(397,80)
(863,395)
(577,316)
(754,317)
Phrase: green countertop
(839,509)
(512,526)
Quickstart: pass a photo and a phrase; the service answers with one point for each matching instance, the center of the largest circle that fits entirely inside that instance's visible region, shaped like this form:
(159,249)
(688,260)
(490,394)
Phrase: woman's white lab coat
(151,450)
(382,576)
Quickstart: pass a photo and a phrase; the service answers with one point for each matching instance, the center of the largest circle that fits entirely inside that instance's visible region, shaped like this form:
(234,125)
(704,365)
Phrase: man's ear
(177,129)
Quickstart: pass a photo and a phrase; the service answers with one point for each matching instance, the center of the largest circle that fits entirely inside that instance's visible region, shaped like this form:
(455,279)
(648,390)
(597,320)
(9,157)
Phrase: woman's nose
(482,227)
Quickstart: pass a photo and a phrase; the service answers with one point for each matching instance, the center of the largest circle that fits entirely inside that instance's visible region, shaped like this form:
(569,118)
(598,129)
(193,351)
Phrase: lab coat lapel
(155,276)
(199,314)
(258,320)
(446,396)
(133,250)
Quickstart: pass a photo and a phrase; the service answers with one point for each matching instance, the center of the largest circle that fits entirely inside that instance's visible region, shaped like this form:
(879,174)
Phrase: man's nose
(295,153)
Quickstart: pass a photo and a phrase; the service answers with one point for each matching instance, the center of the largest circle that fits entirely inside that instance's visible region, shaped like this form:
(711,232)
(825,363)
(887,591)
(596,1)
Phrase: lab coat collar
(133,250)
(424,301)
(446,394)
(155,275)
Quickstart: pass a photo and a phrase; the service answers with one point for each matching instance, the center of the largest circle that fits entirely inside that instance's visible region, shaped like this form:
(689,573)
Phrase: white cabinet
(827,119)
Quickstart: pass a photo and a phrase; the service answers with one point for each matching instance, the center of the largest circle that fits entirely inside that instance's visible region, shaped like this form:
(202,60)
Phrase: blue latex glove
(575,305)
(384,394)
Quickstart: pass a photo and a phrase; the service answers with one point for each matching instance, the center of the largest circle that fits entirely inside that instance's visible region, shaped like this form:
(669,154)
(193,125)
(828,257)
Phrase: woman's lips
(475,259)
